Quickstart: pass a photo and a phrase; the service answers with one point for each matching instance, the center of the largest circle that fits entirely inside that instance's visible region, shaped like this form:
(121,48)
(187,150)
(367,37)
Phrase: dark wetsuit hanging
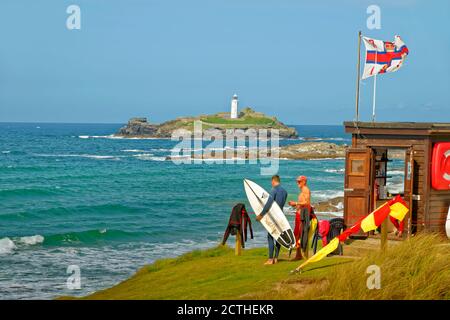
(238,223)
(305,219)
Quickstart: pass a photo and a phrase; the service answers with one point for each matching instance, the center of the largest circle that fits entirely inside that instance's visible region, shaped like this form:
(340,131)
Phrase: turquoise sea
(70,194)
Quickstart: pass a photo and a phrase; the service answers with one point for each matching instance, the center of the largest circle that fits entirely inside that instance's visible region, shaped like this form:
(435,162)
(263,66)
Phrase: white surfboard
(274,221)
(447,224)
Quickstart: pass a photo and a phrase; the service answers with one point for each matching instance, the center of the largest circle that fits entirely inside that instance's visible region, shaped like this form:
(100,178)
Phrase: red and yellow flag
(399,209)
(349,231)
(374,219)
(396,207)
(322,253)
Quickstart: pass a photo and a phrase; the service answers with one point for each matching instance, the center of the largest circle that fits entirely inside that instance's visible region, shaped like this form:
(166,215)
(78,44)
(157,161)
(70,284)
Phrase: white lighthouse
(234,107)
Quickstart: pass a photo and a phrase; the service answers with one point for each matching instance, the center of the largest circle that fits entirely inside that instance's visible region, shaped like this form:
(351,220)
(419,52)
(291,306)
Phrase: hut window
(357,166)
(396,171)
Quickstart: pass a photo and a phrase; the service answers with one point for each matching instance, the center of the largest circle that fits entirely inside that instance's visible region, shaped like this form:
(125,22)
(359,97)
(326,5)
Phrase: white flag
(383,56)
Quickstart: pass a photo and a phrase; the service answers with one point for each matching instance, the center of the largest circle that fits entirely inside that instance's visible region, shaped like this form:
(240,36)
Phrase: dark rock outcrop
(312,150)
(138,127)
(301,151)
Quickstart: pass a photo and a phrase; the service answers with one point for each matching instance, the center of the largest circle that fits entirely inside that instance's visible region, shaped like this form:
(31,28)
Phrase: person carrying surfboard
(302,217)
(279,195)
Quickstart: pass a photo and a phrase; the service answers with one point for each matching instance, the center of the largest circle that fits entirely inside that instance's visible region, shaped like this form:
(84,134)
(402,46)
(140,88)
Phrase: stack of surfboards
(274,221)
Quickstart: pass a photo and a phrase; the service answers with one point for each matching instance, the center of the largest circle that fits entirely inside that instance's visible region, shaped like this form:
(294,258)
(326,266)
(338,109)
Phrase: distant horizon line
(123,123)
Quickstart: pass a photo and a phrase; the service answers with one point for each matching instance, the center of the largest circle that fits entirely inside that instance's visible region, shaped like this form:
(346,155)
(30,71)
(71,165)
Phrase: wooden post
(237,248)
(384,233)
(410,172)
(358,66)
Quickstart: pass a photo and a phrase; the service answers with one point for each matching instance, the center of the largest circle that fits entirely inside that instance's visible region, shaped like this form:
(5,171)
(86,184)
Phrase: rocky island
(248,119)
(299,151)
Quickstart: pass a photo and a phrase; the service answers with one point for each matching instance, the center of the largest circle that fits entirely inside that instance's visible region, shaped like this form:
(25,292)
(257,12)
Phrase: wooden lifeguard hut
(422,150)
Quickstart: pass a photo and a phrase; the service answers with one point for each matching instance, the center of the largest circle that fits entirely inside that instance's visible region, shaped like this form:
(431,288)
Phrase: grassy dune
(414,269)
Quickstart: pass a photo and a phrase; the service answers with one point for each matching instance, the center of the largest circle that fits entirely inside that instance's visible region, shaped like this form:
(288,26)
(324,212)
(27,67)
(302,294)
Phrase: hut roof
(423,128)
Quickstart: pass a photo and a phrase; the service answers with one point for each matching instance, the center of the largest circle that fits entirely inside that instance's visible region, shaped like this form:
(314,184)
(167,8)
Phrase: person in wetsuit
(302,217)
(279,195)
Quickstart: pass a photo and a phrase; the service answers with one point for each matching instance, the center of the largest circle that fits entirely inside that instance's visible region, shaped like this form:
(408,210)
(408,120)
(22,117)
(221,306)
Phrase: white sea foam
(149,157)
(6,152)
(32,240)
(329,214)
(323,139)
(327,194)
(89,156)
(336,139)
(143,155)
(342,170)
(183,150)
(180,157)
(222,159)
(396,172)
(165,150)
(133,150)
(7,246)
(208,149)
(326,159)
(158,158)
(394,187)
(98,157)
(111,136)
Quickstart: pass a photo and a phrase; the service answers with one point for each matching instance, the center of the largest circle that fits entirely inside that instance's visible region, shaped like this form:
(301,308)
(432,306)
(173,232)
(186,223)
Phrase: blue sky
(166,58)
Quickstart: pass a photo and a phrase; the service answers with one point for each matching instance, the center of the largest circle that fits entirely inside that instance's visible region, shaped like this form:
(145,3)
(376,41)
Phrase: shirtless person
(303,206)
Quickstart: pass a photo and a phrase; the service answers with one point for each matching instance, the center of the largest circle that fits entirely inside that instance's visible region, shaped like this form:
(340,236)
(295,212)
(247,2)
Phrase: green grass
(415,269)
(418,268)
(212,274)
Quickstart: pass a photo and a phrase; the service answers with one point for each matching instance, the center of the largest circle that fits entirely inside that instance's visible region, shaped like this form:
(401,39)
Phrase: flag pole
(374,89)
(358,76)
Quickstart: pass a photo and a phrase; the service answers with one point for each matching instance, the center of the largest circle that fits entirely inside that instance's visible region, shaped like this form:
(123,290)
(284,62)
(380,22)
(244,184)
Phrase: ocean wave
(143,155)
(323,139)
(134,150)
(162,150)
(32,240)
(6,151)
(209,149)
(396,172)
(92,237)
(225,159)
(395,187)
(326,159)
(88,156)
(324,215)
(111,136)
(7,246)
(342,170)
(327,194)
(111,210)
(149,157)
